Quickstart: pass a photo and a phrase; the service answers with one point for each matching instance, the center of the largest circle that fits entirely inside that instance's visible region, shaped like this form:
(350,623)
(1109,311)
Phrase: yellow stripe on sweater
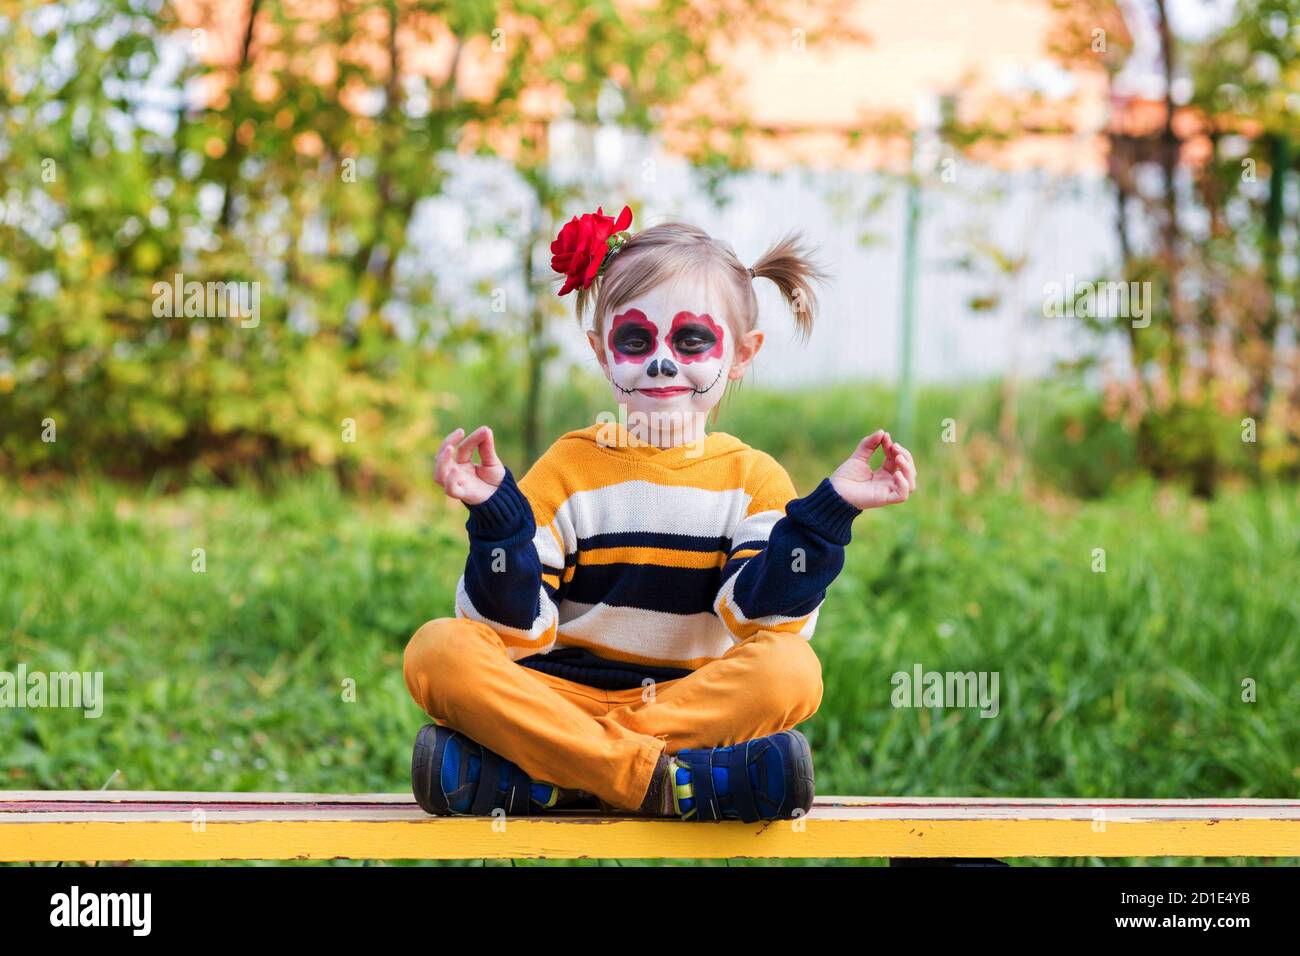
(575,465)
(742,630)
(511,640)
(664,557)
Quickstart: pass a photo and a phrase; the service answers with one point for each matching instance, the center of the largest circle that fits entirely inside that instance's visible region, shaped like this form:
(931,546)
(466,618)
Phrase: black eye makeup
(632,340)
(693,339)
(632,337)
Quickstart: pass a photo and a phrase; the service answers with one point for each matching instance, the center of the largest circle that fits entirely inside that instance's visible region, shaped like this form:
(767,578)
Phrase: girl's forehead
(662,304)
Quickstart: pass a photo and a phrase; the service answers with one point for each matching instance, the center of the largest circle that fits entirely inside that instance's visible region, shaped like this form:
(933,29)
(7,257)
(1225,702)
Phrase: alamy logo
(75,908)
(922,688)
(657,428)
(38,689)
(1098,300)
(211,300)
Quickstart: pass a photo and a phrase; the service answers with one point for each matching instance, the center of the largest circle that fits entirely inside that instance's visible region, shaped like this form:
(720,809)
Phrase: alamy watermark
(133,911)
(655,428)
(210,300)
(82,690)
(1098,300)
(922,688)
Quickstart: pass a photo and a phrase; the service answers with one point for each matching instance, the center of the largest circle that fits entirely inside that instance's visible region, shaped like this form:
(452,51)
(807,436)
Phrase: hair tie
(750,270)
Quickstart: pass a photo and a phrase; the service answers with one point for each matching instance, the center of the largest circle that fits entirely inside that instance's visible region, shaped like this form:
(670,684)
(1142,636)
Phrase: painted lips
(664,392)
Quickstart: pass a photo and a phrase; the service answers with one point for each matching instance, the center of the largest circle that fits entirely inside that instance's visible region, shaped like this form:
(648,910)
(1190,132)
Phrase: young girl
(632,628)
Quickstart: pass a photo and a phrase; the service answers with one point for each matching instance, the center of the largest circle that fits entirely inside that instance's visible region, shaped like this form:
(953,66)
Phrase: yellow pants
(606,742)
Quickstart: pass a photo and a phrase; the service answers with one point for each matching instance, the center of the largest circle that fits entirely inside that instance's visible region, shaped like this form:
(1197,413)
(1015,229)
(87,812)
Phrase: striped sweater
(613,560)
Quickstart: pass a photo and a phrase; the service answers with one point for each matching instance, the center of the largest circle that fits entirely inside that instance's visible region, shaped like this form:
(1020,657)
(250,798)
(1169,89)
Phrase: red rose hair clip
(586,244)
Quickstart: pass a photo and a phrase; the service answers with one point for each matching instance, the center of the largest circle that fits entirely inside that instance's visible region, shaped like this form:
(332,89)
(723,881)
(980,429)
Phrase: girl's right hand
(455,470)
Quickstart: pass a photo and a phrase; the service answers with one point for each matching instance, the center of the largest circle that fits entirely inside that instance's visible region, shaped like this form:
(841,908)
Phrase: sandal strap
(680,791)
(700,763)
(738,785)
(464,785)
(519,798)
(489,771)
(741,799)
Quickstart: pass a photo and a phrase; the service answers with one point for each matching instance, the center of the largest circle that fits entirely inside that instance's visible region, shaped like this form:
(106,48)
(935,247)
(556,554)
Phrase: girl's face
(671,351)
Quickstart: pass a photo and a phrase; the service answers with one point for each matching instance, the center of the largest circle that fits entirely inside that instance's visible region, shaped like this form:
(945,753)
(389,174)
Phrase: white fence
(1063,228)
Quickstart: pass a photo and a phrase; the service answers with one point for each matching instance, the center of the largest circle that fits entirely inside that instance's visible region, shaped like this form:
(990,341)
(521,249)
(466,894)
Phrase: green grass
(1126,683)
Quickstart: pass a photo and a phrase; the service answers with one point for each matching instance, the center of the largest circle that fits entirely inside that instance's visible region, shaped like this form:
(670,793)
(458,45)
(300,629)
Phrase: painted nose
(665,366)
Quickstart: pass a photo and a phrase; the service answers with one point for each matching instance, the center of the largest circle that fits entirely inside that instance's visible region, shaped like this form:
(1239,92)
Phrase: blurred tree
(1210,232)
(1246,89)
(290,146)
(121,181)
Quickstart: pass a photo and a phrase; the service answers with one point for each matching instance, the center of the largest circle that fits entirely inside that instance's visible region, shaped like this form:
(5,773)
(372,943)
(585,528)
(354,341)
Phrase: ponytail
(789,264)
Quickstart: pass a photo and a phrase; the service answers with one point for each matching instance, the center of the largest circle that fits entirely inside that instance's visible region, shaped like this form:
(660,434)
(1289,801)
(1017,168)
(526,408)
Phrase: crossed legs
(606,742)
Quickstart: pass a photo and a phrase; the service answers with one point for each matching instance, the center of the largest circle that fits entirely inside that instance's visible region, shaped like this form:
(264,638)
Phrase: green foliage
(289,148)
(1220,253)
(108,200)
(1079,449)
(1123,681)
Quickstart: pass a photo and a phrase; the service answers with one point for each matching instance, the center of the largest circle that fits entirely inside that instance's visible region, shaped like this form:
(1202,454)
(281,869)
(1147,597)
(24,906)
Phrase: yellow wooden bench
(98,825)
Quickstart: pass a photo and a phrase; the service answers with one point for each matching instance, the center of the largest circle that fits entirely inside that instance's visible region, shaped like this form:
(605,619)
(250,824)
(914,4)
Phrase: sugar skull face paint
(632,337)
(696,338)
(691,338)
(669,351)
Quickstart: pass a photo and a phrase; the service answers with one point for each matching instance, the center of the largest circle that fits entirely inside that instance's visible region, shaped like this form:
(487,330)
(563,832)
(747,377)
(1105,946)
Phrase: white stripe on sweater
(652,635)
(647,506)
(537,635)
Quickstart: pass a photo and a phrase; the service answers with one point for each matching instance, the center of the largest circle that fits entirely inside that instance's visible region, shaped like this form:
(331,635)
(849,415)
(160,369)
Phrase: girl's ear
(594,341)
(747,347)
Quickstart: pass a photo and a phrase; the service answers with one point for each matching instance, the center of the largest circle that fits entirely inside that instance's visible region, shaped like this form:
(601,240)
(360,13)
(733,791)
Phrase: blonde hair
(672,250)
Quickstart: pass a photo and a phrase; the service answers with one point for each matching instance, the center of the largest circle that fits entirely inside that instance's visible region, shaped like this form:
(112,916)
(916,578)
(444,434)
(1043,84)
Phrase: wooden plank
(49,826)
(191,798)
(178,810)
(197,796)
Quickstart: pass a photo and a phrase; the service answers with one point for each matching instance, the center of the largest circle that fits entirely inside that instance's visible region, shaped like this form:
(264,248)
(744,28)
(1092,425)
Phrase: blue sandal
(768,778)
(452,774)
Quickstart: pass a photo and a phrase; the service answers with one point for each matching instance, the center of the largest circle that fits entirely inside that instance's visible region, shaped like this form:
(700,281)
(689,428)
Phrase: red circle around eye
(690,318)
(636,318)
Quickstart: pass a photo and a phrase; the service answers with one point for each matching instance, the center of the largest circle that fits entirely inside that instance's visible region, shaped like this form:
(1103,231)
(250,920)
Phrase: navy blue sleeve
(503,574)
(782,569)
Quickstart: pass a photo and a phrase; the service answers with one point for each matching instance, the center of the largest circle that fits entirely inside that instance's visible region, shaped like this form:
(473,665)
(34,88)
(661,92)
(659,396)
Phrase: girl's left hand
(890,484)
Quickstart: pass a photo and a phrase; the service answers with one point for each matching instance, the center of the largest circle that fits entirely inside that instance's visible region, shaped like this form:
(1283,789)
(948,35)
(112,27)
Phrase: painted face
(669,351)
